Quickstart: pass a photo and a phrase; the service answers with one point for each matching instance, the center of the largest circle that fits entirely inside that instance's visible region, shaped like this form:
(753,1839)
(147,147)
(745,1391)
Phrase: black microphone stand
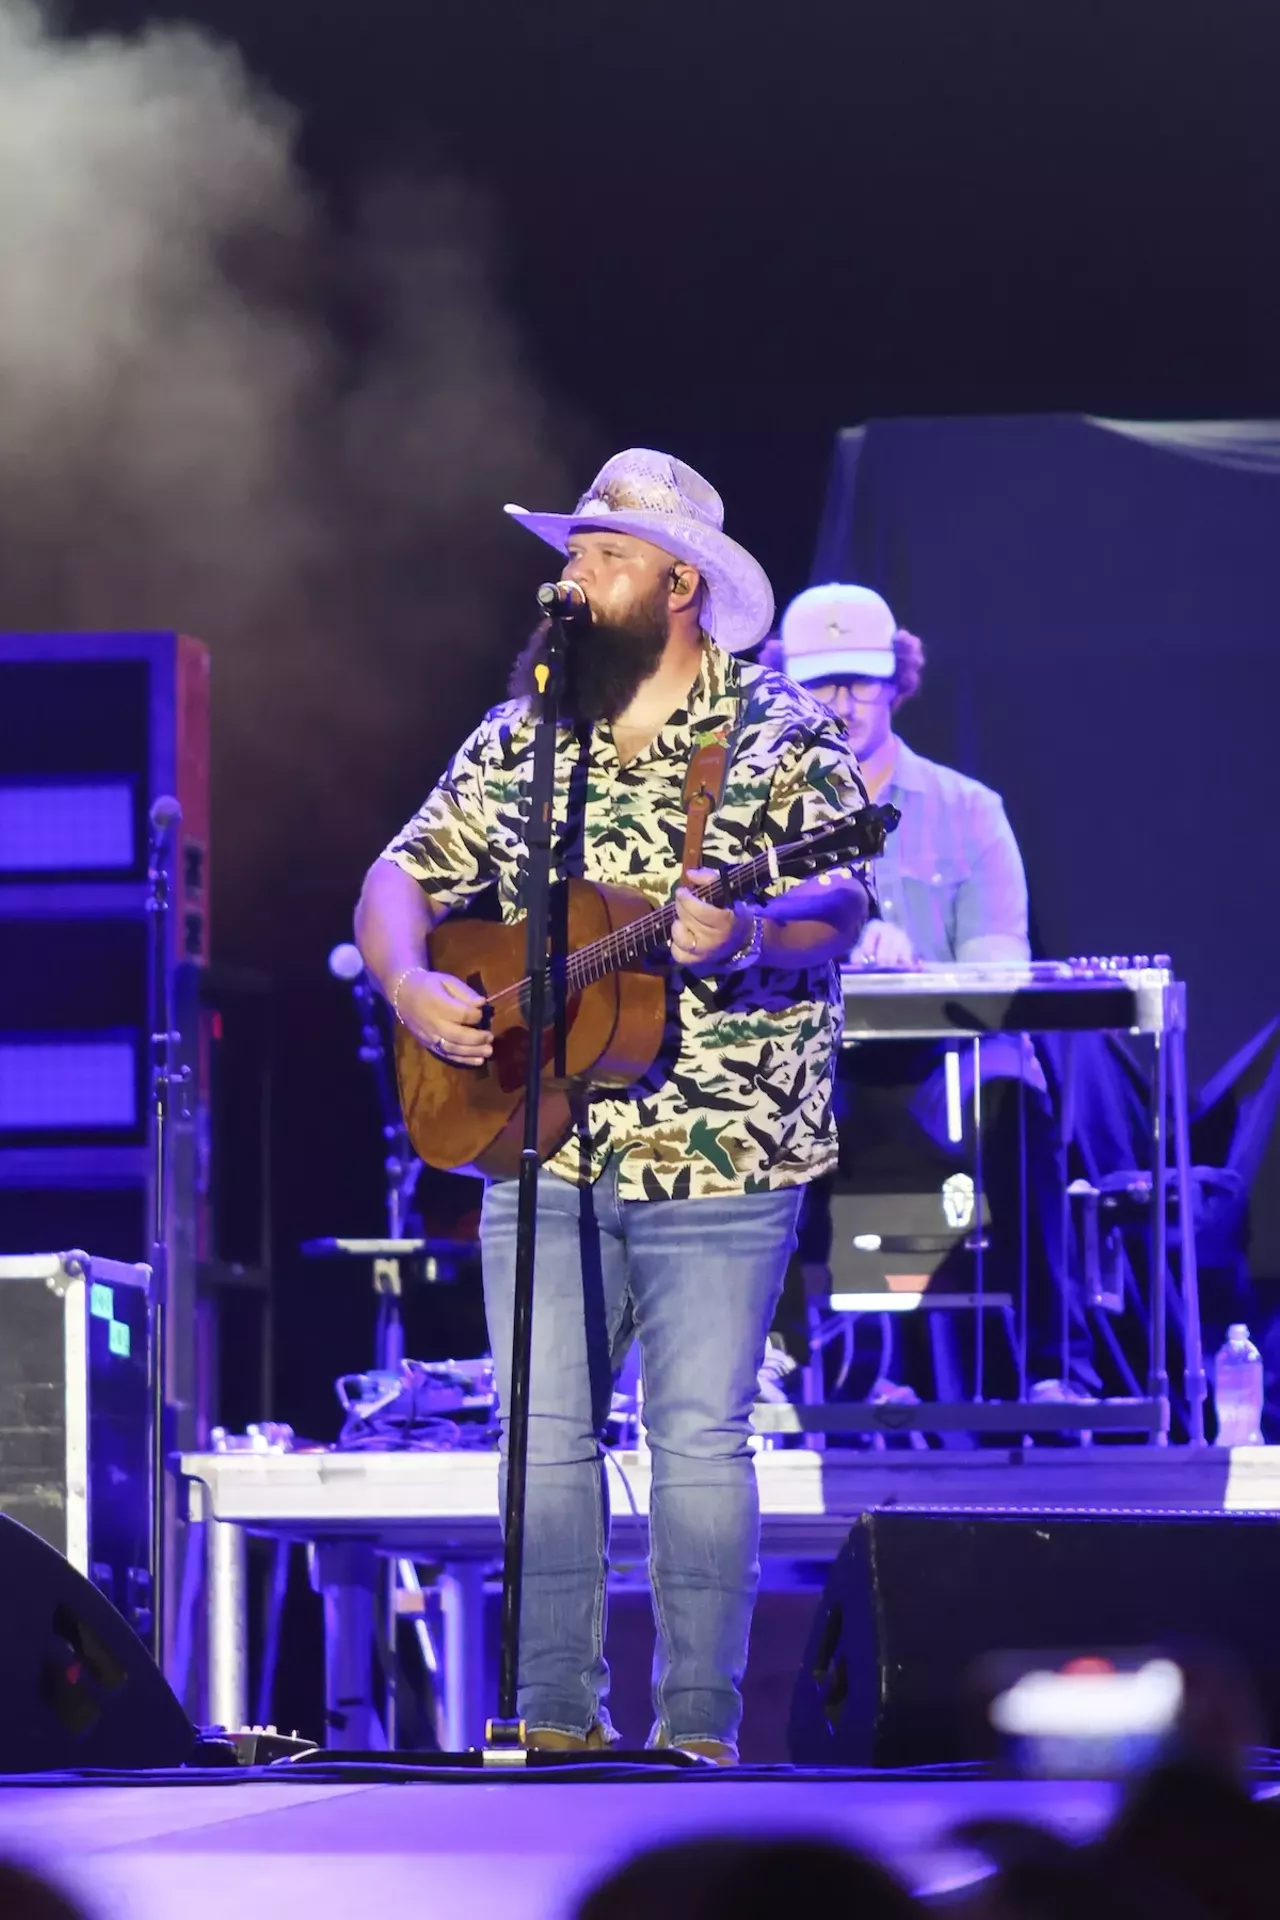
(166,815)
(543,971)
(401,1165)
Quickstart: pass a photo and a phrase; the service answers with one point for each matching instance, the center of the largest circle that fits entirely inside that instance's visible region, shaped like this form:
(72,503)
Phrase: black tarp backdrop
(1100,614)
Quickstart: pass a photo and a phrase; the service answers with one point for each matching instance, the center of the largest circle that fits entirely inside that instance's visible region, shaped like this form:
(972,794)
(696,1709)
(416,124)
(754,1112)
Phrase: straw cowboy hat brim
(655,498)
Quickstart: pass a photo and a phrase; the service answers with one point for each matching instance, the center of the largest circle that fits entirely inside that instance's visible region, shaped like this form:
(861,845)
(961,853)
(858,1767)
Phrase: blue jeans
(697,1281)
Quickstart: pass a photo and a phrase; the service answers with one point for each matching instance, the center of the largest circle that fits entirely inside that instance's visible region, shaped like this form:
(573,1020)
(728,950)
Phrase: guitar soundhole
(510,1057)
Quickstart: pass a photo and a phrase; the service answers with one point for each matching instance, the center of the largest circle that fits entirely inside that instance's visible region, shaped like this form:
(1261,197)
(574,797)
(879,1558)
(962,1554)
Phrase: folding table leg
(465,1689)
(226,1599)
(347,1576)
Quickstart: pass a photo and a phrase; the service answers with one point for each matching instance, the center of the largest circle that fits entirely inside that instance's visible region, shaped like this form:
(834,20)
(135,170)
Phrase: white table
(442,1509)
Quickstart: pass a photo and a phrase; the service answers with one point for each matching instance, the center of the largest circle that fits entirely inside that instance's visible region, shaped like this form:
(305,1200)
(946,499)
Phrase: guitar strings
(629,942)
(829,845)
(595,960)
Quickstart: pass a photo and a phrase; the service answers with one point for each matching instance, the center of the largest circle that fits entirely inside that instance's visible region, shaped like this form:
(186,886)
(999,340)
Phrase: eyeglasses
(856,693)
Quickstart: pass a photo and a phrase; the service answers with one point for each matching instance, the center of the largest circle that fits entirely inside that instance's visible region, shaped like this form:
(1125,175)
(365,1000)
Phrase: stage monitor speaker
(916,1598)
(77,1686)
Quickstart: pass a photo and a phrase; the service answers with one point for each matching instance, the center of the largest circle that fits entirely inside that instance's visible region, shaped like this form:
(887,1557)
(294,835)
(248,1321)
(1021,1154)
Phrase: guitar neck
(858,838)
(649,934)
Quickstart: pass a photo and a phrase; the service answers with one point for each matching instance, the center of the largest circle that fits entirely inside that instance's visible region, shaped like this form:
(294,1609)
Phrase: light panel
(69,1085)
(73,828)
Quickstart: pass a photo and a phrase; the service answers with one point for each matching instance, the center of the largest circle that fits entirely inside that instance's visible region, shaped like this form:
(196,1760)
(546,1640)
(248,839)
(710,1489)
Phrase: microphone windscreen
(165,812)
(345,962)
(564,600)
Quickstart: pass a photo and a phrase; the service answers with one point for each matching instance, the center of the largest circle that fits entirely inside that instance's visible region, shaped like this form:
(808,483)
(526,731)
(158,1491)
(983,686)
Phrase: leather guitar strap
(704,783)
(703,792)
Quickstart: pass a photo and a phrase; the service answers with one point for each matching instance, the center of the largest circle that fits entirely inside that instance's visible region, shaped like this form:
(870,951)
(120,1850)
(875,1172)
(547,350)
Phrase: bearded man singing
(670,1212)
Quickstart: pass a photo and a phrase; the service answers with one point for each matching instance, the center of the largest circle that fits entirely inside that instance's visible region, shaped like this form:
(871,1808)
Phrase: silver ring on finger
(693,938)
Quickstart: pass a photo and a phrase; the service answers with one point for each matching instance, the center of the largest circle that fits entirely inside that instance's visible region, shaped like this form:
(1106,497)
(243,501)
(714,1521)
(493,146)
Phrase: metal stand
(166,815)
(1139,997)
(505,1730)
(1158,1368)
(1188,1265)
(979,1238)
(401,1167)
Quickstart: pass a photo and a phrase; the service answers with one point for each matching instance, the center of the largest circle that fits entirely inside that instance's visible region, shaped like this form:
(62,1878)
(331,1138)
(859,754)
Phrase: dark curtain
(1102,621)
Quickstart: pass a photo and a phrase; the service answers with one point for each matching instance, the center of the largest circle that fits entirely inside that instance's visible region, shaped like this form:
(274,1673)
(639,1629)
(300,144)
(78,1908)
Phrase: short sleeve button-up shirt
(739,1097)
(951,876)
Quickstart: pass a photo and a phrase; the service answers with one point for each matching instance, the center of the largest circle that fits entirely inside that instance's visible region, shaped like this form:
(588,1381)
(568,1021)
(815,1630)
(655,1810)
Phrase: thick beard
(604,665)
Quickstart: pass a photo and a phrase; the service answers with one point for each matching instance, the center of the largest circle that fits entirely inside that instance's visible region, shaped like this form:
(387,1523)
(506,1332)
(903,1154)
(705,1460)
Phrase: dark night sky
(727,231)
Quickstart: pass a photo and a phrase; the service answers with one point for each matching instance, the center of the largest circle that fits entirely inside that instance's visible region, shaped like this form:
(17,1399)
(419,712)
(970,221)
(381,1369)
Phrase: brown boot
(721,1751)
(551,1740)
(718,1750)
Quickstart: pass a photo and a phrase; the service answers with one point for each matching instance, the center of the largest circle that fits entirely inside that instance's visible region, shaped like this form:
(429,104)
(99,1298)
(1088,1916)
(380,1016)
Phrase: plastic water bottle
(1238,1390)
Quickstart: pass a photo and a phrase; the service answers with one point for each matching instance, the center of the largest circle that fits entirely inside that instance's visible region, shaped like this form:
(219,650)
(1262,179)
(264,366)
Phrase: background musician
(671,1208)
(950,882)
(951,887)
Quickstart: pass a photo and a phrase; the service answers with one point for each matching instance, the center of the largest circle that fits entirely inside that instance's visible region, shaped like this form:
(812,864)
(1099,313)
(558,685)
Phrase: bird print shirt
(738,1099)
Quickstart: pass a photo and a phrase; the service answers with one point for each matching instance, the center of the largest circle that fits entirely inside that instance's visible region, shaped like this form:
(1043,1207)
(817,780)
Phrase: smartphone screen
(1095,1716)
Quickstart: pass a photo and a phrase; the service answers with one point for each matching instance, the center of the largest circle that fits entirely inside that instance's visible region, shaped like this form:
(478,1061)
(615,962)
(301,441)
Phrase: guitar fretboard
(625,945)
(846,841)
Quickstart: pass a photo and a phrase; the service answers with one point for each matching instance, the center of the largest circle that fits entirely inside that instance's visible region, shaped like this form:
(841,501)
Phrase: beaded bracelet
(748,954)
(396,984)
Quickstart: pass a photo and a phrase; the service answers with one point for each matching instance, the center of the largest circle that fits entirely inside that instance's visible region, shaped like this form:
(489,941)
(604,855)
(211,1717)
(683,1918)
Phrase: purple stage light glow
(67,1084)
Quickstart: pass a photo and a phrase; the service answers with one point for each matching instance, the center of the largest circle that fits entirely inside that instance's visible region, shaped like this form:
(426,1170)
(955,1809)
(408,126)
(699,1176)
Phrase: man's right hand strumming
(393,923)
(444,1013)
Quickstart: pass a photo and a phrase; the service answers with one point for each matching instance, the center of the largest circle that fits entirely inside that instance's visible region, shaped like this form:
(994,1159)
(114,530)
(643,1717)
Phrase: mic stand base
(585,1762)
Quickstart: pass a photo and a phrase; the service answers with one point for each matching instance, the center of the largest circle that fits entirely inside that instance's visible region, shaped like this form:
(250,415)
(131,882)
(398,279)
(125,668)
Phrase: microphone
(565,601)
(345,962)
(165,813)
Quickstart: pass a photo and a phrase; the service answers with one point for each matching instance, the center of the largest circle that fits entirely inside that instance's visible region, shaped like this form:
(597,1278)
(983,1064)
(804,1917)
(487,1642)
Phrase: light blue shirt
(951,875)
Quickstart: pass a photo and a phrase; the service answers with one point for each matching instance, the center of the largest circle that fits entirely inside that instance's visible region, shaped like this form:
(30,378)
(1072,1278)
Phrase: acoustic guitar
(606,1003)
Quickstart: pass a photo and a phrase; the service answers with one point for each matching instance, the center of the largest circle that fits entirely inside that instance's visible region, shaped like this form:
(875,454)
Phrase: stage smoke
(222,415)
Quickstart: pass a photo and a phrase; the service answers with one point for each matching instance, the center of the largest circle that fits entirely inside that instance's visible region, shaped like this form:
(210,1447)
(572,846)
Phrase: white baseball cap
(839,632)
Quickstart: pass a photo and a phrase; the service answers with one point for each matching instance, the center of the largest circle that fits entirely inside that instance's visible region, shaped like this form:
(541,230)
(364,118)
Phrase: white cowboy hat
(838,632)
(656,498)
